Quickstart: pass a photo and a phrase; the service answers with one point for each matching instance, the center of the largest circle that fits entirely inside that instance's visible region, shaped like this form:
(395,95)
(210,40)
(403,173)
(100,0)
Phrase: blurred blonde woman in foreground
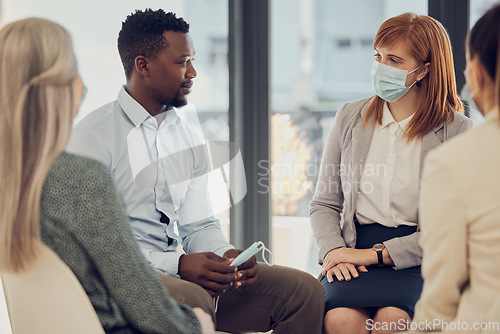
(69,202)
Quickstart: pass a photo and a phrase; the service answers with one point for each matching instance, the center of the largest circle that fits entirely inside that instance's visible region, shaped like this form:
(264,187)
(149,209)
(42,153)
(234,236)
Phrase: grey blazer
(333,206)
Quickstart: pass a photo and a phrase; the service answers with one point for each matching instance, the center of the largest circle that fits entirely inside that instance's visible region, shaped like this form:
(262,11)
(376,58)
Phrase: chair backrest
(47,298)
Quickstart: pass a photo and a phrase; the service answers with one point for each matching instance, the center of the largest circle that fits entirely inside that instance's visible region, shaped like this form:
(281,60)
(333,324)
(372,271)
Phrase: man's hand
(246,275)
(208,270)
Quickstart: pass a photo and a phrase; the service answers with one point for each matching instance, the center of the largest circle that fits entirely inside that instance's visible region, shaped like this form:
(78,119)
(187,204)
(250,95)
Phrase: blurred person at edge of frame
(460,207)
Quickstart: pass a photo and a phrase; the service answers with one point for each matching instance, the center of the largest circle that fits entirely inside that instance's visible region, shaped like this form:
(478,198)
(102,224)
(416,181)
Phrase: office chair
(47,298)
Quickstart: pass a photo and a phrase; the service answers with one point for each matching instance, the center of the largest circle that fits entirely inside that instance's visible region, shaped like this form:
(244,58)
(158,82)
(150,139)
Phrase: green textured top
(84,222)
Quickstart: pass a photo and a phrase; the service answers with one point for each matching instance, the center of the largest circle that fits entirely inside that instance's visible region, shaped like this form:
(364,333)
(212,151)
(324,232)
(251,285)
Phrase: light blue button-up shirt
(157,169)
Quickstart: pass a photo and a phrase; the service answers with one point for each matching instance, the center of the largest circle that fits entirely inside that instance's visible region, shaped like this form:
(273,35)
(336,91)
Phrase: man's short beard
(177,102)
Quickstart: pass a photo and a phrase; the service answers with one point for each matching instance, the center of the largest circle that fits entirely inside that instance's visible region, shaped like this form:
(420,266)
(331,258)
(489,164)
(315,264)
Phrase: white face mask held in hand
(389,82)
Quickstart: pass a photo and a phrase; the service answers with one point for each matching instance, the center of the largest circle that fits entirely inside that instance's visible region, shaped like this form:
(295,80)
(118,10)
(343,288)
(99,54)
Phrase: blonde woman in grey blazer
(364,213)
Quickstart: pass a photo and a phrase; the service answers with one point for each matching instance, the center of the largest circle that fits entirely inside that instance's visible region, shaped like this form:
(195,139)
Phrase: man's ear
(142,65)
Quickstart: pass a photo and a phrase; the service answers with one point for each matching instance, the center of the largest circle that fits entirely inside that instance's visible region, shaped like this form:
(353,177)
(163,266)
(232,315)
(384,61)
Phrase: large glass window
(94,26)
(478,8)
(321,56)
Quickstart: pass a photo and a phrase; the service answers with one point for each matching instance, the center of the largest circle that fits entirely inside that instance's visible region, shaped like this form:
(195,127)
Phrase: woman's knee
(345,320)
(391,319)
(391,314)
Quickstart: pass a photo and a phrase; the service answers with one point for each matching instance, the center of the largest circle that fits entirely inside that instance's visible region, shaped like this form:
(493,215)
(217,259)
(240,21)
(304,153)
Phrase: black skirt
(380,286)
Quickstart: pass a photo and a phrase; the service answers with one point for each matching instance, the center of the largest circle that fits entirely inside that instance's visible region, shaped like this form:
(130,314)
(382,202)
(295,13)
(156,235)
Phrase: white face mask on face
(389,82)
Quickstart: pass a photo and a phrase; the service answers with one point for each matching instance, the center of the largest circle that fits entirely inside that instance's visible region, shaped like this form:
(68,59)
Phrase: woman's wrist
(371,256)
(387,258)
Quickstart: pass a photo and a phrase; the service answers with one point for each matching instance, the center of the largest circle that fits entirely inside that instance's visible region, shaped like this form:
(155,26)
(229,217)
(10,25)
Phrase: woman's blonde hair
(427,41)
(37,71)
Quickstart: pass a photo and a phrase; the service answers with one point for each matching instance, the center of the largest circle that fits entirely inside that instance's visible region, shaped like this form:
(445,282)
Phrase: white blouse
(389,187)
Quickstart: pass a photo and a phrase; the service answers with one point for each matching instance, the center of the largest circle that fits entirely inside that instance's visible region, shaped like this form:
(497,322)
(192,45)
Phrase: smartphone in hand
(247,253)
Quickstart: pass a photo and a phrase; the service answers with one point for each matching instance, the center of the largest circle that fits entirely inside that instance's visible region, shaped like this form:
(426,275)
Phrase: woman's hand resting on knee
(358,257)
(344,271)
